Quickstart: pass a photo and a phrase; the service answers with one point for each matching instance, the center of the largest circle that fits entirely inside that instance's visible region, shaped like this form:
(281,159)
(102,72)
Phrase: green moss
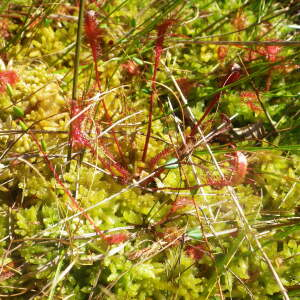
(48,228)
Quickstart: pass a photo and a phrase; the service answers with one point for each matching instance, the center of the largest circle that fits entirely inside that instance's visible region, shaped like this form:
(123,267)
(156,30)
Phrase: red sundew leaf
(222,52)
(239,171)
(78,139)
(273,49)
(248,94)
(186,85)
(76,111)
(94,37)
(250,55)
(249,98)
(6,272)
(196,251)
(35,22)
(270,52)
(240,168)
(170,234)
(161,32)
(90,25)
(116,238)
(93,33)
(125,175)
(7,77)
(113,166)
(180,203)
(253,107)
(4,28)
(287,68)
(271,56)
(131,68)
(154,161)
(240,21)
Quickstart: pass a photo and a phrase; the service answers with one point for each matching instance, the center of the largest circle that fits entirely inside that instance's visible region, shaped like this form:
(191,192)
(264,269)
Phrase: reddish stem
(67,191)
(94,37)
(161,32)
(113,163)
(232,77)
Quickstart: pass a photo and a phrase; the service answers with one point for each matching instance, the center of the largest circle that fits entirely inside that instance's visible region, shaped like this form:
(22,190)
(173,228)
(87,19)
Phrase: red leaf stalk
(80,142)
(161,32)
(94,37)
(66,190)
(234,75)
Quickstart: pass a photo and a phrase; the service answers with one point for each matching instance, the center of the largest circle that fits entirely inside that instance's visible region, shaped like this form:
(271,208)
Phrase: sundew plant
(149,149)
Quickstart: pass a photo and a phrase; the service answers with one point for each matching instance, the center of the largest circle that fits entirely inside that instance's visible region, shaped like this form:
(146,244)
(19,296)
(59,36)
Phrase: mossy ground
(180,235)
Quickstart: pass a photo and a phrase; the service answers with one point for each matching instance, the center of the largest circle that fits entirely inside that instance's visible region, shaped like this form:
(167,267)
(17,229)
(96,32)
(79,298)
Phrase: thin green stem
(75,77)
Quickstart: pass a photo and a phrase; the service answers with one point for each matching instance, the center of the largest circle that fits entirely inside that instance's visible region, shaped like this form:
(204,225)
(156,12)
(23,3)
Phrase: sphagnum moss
(153,242)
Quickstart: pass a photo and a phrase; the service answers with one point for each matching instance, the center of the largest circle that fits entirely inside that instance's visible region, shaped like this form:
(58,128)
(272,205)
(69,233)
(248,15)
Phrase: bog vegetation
(149,149)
